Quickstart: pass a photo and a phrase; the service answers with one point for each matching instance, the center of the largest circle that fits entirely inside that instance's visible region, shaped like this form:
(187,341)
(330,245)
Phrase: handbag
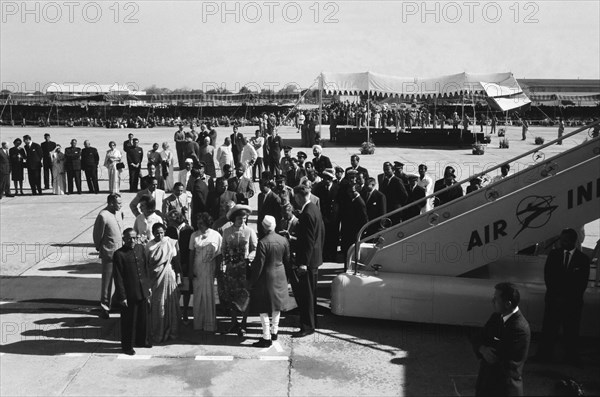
(120,165)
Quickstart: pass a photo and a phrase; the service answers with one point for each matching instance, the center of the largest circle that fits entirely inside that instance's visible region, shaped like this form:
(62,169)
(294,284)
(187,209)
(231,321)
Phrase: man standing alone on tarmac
(107,239)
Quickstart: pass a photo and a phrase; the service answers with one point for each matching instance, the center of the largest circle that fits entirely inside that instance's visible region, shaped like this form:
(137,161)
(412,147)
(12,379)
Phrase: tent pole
(462,111)
(474,116)
(367,116)
(321,104)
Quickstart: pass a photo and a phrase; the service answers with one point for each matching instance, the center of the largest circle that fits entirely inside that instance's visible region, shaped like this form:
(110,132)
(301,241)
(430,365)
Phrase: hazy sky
(194,44)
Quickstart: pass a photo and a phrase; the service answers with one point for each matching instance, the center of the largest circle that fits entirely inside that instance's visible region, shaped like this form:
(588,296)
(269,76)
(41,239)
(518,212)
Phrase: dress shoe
(104,314)
(262,343)
(129,352)
(233,329)
(241,332)
(303,333)
(274,336)
(146,345)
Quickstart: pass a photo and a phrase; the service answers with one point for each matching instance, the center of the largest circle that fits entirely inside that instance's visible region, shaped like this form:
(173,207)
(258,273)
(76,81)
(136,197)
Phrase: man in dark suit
(73,167)
(200,185)
(320,162)
(132,290)
(327,193)
(89,161)
(34,164)
(273,147)
(309,256)
(448,180)
(146,180)
(503,346)
(375,203)
(268,204)
(236,146)
(242,186)
(415,193)
(47,148)
(128,144)
(399,173)
(295,174)
(354,161)
(393,189)
(191,149)
(135,155)
(353,217)
(566,274)
(4,171)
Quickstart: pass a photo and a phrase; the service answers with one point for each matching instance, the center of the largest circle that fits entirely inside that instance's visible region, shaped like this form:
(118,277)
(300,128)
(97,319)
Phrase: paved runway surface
(53,343)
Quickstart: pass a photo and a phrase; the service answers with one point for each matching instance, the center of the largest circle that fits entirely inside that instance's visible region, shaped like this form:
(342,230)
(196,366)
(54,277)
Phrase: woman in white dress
(167,162)
(59,184)
(113,157)
(205,256)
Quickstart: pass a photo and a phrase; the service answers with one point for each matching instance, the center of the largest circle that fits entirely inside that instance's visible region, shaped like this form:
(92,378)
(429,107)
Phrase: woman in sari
(167,162)
(205,256)
(162,253)
(59,184)
(239,249)
(113,157)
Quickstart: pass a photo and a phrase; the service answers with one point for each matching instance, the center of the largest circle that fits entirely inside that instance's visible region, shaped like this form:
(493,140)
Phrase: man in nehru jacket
(133,288)
(73,167)
(89,161)
(135,155)
(47,148)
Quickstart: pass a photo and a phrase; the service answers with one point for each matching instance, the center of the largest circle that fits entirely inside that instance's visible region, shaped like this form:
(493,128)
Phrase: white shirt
(505,318)
(258,143)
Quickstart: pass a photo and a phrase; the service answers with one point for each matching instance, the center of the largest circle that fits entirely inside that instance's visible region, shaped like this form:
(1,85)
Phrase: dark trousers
(48,175)
(559,313)
(257,168)
(180,158)
(73,175)
(332,233)
(91,176)
(134,323)
(306,297)
(5,185)
(274,166)
(35,180)
(134,178)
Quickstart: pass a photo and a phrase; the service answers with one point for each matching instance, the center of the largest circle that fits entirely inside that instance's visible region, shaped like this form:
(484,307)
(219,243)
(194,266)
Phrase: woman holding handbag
(115,166)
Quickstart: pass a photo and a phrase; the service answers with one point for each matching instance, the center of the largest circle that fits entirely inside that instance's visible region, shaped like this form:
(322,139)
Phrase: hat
(301,154)
(318,148)
(339,169)
(189,161)
(287,148)
(201,164)
(329,173)
(268,223)
(398,164)
(237,208)
(351,172)
(412,176)
(476,180)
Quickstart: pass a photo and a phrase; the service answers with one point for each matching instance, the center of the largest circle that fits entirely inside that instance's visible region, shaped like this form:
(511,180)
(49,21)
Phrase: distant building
(552,92)
(91,89)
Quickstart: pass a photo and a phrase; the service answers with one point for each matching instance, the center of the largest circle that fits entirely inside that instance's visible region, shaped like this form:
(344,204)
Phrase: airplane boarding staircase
(439,267)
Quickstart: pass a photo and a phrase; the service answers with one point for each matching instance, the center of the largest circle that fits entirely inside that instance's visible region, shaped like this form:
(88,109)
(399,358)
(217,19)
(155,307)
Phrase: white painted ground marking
(276,345)
(136,357)
(75,354)
(273,358)
(214,358)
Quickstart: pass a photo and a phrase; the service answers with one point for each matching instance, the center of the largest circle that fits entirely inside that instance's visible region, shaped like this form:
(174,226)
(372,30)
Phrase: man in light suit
(309,256)
(566,274)
(4,171)
(176,207)
(503,346)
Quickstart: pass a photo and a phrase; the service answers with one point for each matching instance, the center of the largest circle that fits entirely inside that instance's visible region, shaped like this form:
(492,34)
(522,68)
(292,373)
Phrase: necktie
(567,255)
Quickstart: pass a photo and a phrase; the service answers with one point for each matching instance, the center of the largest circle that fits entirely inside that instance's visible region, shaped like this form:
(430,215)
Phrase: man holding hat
(242,186)
(268,280)
(296,173)
(301,158)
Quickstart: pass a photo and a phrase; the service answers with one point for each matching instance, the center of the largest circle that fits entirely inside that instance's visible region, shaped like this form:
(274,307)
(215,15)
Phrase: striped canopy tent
(500,89)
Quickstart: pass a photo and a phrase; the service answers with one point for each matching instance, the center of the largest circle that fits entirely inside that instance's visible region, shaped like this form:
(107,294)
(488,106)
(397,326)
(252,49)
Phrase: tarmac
(54,343)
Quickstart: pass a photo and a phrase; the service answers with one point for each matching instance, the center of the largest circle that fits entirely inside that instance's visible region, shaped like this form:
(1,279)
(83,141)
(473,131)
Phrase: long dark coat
(269,291)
